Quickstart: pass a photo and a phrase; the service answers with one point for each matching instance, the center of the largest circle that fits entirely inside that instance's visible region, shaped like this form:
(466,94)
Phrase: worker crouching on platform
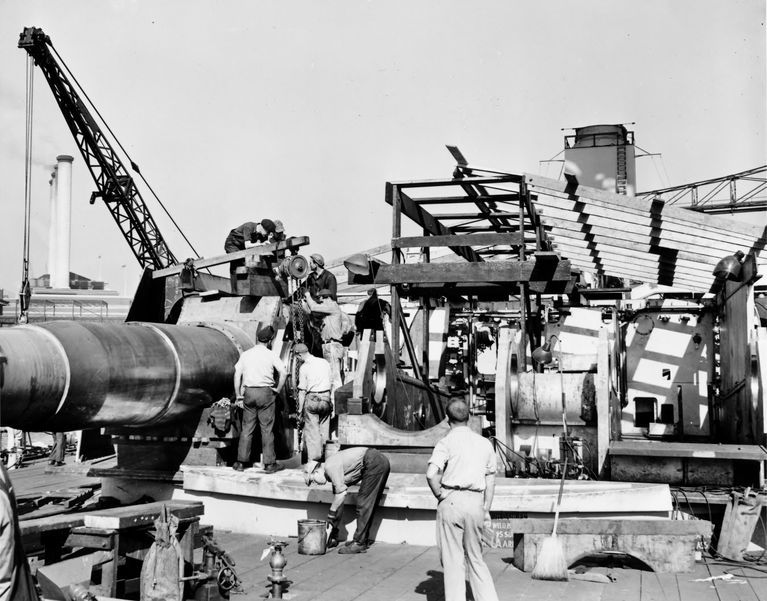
(356,465)
(461,474)
(248,233)
(314,403)
(256,391)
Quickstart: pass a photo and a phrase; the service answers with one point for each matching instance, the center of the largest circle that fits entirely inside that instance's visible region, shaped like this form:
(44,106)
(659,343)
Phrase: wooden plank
(688,449)
(728,591)
(435,183)
(140,515)
(253,251)
(714,242)
(629,216)
(639,241)
(609,245)
(543,184)
(582,250)
(379,566)
(487,239)
(601,259)
(496,271)
(427,221)
(609,526)
(438,200)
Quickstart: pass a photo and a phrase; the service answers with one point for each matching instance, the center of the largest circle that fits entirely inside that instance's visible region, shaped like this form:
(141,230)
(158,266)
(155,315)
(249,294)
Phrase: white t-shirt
(258,366)
(465,458)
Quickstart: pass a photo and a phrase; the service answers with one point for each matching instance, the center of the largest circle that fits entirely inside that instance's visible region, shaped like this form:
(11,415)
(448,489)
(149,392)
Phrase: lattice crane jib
(115,186)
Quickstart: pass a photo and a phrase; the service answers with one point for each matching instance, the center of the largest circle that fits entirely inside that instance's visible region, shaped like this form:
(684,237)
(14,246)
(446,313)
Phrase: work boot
(355,547)
(272,468)
(238,467)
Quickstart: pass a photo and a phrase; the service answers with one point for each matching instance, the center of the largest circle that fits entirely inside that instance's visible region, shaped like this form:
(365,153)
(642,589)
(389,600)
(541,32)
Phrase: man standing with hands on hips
(255,387)
(461,474)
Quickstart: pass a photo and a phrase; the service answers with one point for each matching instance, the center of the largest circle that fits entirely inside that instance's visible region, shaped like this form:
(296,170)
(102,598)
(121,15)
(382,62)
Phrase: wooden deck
(411,573)
(391,572)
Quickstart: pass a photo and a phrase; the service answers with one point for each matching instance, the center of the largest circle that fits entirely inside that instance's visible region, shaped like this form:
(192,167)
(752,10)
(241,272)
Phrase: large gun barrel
(74,375)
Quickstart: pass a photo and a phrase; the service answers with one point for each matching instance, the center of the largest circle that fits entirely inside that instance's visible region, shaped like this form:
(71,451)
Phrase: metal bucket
(312,537)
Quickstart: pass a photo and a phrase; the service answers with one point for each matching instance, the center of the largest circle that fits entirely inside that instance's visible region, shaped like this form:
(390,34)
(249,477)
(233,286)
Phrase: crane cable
(25,291)
(133,165)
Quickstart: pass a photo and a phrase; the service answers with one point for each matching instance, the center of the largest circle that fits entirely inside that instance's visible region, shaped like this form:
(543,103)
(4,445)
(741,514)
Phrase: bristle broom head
(551,564)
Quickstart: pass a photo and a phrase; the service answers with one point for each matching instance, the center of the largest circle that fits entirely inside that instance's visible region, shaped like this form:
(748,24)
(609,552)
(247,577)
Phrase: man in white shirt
(461,474)
(255,387)
(314,404)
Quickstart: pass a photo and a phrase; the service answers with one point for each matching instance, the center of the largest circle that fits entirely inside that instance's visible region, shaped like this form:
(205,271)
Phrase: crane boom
(114,183)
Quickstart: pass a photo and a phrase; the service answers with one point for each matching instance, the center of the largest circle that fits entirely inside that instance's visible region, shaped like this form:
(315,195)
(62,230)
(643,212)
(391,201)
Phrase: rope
(27,187)
(133,165)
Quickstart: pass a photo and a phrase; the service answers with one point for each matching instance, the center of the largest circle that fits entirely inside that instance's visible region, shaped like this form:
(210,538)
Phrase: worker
(335,325)
(16,583)
(248,233)
(373,313)
(320,278)
(278,235)
(59,446)
(356,465)
(256,391)
(314,406)
(461,475)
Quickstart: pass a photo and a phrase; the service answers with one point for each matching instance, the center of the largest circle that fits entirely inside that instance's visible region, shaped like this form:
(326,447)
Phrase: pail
(312,537)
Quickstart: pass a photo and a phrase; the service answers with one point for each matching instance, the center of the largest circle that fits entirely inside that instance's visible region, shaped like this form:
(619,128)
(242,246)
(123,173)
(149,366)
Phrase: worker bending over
(356,465)
(248,233)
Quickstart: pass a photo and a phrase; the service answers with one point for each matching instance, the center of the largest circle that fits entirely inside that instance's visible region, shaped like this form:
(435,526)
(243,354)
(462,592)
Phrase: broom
(551,564)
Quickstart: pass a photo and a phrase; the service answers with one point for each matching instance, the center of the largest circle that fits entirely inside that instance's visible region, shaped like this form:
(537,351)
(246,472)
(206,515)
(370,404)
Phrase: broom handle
(559,497)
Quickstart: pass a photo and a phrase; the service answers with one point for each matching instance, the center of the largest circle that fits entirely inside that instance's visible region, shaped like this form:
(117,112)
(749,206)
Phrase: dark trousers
(258,407)
(57,453)
(230,246)
(375,472)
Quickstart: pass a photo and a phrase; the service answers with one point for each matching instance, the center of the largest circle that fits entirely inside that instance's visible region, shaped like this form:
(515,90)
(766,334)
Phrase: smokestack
(63,219)
(602,156)
(52,230)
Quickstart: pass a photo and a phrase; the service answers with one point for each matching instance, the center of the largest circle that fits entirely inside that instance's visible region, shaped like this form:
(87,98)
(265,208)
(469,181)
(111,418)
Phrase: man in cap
(332,331)
(320,278)
(373,313)
(314,406)
(461,475)
(250,232)
(254,385)
(356,465)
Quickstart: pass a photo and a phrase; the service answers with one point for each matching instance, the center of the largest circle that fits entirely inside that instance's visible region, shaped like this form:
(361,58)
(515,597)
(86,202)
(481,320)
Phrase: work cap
(265,334)
(300,348)
(278,227)
(325,292)
(318,259)
(310,467)
(268,225)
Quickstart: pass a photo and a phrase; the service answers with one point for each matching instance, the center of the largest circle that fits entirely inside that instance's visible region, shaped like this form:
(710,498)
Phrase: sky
(303,110)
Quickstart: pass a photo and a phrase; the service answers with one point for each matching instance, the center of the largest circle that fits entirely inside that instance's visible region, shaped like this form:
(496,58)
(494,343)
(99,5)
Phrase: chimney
(602,157)
(63,216)
(52,230)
